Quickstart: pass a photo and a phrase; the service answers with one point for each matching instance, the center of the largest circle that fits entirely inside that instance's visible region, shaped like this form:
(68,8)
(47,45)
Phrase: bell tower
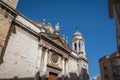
(78,45)
(78,42)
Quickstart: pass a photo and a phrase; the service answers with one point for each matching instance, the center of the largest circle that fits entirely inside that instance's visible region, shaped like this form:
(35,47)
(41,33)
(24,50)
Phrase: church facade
(36,51)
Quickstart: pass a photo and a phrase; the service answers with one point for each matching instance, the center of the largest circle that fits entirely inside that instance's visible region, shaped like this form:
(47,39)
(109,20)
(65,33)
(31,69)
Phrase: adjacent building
(110,67)
(97,77)
(35,51)
(114,12)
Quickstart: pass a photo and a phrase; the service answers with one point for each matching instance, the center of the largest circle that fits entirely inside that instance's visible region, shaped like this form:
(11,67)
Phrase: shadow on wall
(73,76)
(26,78)
(84,74)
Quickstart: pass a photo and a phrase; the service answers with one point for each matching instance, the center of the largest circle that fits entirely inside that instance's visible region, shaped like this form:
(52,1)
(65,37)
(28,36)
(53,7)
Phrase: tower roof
(77,35)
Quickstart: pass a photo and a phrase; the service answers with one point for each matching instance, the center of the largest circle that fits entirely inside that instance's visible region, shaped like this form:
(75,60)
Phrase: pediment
(58,40)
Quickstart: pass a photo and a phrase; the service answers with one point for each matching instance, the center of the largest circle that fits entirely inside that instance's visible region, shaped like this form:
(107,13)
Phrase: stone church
(36,51)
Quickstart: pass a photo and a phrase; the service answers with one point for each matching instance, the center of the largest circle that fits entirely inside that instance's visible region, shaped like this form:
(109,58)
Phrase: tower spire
(76,28)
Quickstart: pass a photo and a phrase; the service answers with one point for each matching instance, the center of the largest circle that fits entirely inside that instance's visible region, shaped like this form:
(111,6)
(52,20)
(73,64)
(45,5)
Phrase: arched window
(75,46)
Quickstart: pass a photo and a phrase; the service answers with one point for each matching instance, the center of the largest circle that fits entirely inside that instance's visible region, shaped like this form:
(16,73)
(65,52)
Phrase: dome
(77,35)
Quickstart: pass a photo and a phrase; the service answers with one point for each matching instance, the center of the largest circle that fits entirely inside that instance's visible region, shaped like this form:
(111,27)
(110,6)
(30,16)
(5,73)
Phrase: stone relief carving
(54,58)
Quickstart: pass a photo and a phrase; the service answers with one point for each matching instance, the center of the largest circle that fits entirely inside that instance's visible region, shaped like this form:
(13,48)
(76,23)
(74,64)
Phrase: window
(104,67)
(75,46)
(106,77)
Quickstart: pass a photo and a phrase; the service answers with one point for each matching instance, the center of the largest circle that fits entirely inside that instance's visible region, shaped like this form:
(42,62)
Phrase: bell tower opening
(75,46)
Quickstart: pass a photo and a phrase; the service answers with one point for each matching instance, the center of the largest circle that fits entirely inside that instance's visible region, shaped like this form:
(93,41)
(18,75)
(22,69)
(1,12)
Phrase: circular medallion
(54,58)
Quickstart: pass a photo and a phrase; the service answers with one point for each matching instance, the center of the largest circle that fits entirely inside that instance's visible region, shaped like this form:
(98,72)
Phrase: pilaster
(45,62)
(39,55)
(73,46)
(63,66)
(67,68)
(77,46)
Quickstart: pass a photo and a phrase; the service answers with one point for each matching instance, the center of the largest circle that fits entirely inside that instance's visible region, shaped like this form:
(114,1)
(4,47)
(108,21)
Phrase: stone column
(73,46)
(45,62)
(42,62)
(63,68)
(67,70)
(38,62)
(77,46)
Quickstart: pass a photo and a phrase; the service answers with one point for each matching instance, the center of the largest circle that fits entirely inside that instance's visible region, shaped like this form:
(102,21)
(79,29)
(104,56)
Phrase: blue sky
(91,17)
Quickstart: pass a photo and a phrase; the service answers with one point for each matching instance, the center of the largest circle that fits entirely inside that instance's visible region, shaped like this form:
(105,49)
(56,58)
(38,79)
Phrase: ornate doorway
(52,76)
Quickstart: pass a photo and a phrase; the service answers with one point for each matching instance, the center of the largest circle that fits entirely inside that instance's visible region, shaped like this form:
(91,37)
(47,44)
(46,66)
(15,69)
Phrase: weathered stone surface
(73,68)
(11,3)
(0,50)
(5,23)
(20,56)
(27,23)
(25,55)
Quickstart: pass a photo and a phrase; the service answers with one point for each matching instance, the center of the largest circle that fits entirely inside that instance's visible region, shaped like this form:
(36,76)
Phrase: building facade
(114,12)
(97,77)
(110,67)
(36,51)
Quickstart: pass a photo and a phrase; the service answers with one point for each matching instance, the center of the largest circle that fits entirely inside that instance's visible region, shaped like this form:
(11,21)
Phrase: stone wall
(72,65)
(11,3)
(27,23)
(5,23)
(20,56)
(73,69)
